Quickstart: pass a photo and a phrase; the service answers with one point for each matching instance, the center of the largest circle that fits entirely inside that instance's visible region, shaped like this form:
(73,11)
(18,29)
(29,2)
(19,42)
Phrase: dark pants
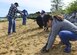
(24,20)
(11,25)
(66,37)
(40,24)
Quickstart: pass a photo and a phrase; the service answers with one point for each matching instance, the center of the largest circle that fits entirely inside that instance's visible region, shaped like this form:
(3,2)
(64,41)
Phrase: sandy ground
(28,40)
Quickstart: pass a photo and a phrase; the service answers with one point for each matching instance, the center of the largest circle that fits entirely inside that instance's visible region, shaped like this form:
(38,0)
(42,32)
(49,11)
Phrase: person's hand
(43,50)
(21,13)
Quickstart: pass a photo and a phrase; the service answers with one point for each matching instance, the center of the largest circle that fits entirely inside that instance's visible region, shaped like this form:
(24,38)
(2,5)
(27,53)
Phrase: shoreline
(5,19)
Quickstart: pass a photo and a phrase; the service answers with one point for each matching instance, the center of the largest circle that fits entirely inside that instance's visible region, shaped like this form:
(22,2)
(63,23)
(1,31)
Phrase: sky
(31,6)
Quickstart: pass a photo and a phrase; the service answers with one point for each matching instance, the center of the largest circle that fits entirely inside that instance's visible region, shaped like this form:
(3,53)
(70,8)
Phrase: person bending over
(66,30)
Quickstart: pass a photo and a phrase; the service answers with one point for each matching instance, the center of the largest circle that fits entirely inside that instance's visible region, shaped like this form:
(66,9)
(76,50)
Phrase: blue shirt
(25,13)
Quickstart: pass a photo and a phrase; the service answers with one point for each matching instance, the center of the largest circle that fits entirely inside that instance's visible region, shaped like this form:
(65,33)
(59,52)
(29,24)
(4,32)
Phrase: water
(2,18)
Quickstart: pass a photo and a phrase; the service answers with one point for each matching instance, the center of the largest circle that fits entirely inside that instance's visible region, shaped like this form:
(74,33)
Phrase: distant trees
(56,6)
(72,7)
(34,15)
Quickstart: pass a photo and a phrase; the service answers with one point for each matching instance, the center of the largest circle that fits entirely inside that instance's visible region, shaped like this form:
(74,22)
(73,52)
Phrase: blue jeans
(11,25)
(24,20)
(67,36)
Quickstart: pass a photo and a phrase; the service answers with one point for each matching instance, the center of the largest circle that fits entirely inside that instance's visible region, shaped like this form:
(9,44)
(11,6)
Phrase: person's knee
(61,33)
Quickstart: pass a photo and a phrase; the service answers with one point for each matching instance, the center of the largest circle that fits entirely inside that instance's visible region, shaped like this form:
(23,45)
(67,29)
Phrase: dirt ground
(29,40)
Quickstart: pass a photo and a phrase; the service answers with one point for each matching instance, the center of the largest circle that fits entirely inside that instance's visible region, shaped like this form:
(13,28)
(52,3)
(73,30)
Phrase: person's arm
(17,11)
(55,30)
(27,13)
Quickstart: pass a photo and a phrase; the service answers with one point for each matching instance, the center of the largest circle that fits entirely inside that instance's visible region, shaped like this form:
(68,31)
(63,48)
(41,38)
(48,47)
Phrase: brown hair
(59,17)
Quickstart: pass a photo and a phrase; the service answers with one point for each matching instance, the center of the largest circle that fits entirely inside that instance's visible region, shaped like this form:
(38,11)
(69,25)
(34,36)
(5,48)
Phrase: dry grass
(28,41)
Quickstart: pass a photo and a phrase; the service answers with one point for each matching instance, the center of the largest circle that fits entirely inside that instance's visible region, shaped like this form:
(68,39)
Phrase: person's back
(25,13)
(64,25)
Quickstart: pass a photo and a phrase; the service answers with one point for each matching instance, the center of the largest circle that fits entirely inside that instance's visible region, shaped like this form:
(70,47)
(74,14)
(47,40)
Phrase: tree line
(57,8)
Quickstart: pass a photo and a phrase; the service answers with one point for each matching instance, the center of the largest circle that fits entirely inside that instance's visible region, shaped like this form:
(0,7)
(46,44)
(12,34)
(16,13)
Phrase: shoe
(14,31)
(9,33)
(43,50)
(67,49)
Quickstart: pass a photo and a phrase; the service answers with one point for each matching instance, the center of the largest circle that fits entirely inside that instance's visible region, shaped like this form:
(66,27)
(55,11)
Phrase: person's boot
(67,49)
(9,33)
(43,50)
(14,31)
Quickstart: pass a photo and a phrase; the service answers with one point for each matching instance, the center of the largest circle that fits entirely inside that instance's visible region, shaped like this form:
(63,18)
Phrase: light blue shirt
(58,26)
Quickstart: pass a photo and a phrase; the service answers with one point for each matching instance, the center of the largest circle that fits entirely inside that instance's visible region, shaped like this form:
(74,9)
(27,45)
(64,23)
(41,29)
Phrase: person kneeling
(66,30)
